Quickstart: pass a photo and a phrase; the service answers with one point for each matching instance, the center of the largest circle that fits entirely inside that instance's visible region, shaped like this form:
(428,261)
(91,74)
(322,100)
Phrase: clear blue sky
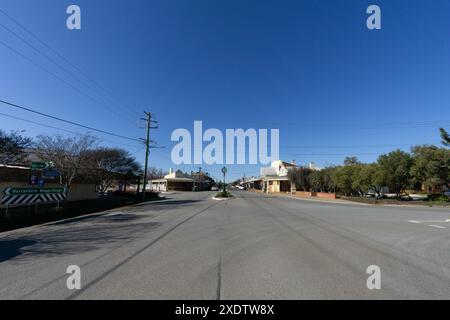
(309,68)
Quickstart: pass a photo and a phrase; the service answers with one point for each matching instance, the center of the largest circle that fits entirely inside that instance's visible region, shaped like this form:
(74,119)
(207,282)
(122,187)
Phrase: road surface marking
(436,226)
(429,221)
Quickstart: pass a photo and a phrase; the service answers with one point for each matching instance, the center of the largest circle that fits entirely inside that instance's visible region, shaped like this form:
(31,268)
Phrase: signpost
(36,193)
(33,180)
(50,173)
(23,196)
(41,183)
(41,165)
(224,171)
(21,191)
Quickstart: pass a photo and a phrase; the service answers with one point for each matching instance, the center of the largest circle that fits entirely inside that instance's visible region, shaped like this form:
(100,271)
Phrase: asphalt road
(251,247)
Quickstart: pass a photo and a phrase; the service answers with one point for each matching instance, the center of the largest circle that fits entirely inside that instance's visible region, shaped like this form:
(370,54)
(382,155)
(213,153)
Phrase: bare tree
(155,173)
(12,146)
(68,154)
(108,165)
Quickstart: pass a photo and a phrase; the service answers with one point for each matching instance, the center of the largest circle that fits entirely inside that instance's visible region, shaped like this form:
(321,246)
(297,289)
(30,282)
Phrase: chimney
(293,162)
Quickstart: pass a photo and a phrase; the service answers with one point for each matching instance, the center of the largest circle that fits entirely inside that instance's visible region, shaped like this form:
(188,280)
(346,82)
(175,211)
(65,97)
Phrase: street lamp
(224,171)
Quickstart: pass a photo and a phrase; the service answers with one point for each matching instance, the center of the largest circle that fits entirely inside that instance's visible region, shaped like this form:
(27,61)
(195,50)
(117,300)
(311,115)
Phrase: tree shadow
(101,218)
(106,230)
(73,239)
(12,248)
(161,205)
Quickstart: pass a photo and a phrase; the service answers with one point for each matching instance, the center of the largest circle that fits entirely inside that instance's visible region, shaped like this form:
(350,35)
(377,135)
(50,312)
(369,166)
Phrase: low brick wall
(303,193)
(308,194)
(325,195)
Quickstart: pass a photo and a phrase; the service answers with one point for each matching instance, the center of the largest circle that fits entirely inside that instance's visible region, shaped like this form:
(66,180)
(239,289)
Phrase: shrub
(223,194)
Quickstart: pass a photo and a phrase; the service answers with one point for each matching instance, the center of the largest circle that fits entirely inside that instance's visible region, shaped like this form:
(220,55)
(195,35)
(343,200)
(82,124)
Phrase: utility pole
(147,149)
(199,171)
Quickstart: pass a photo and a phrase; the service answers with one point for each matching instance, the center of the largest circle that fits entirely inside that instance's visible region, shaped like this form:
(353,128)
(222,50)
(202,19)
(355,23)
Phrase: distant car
(447,193)
(241,187)
(214,188)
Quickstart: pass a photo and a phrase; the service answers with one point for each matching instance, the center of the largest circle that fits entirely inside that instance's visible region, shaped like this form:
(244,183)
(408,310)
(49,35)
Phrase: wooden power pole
(147,149)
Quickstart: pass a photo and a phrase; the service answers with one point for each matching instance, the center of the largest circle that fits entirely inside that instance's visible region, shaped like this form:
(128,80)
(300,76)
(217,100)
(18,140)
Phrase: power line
(359,126)
(64,59)
(57,64)
(57,77)
(61,129)
(67,121)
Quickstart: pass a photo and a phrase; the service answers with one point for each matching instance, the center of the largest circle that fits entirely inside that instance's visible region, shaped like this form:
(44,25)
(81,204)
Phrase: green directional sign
(41,165)
(24,191)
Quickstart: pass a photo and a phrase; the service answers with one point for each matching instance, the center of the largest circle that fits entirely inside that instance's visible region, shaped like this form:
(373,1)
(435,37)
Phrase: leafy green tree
(445,137)
(394,171)
(431,168)
(327,180)
(364,180)
(351,160)
(300,177)
(316,181)
(344,177)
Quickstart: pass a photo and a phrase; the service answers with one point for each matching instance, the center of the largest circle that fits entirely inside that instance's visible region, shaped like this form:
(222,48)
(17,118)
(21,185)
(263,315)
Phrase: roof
(274,178)
(173,180)
(287,164)
(253,180)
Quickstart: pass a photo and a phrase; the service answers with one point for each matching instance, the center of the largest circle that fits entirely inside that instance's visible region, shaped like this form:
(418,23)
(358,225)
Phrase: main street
(254,246)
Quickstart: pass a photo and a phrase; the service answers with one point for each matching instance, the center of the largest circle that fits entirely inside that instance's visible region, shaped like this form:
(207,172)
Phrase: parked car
(214,188)
(447,193)
(241,187)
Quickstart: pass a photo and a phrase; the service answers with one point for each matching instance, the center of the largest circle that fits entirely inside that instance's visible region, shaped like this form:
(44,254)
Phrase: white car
(214,188)
(241,187)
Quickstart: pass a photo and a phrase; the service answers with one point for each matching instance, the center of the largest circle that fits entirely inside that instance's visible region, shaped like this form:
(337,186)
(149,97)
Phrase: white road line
(429,221)
(436,226)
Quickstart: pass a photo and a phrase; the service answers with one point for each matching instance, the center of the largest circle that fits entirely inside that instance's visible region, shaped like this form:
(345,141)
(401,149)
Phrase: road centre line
(436,226)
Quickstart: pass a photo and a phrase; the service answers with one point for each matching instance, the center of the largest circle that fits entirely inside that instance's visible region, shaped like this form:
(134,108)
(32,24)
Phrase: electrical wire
(67,121)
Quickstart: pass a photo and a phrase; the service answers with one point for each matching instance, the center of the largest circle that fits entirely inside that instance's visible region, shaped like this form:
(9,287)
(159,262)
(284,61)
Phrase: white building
(275,178)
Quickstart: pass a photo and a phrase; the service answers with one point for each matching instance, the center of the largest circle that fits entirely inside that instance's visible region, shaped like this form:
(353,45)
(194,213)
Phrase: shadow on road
(161,205)
(12,248)
(77,238)
(101,218)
